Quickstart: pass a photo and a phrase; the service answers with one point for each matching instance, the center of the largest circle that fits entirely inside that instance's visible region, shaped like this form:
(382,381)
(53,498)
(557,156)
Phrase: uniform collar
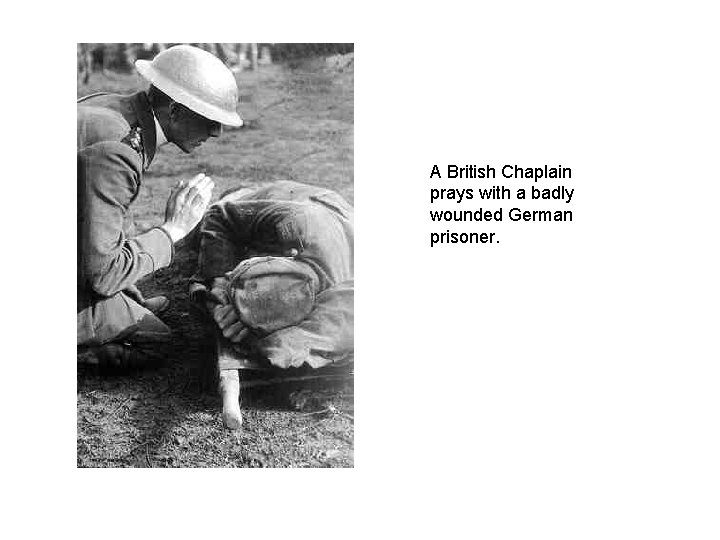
(160,137)
(146,121)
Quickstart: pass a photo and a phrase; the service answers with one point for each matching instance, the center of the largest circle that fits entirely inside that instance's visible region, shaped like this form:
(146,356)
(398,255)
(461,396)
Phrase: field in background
(299,126)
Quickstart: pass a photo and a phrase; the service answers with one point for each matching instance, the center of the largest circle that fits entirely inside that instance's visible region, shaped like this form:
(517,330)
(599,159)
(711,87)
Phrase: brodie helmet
(197,79)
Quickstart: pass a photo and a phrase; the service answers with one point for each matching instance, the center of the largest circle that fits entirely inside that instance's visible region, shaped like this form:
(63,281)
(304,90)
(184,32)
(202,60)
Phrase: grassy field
(299,126)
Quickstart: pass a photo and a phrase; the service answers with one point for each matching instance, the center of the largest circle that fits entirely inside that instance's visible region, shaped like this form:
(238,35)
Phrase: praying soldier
(191,95)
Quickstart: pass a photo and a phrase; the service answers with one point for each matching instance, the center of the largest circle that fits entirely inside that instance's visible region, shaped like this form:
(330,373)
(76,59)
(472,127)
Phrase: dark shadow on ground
(170,416)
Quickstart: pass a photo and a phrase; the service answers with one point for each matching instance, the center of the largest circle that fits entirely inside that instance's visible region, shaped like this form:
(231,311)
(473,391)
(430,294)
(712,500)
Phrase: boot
(157,304)
(120,356)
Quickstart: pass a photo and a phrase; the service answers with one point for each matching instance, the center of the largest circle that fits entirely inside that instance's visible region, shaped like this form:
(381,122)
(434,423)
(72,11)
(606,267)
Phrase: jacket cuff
(172,244)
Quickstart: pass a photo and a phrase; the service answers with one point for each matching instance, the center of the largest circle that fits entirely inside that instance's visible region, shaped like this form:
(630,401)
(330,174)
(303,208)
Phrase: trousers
(98,323)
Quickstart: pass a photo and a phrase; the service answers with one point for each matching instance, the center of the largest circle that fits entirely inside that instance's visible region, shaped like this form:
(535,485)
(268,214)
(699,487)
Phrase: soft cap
(270,293)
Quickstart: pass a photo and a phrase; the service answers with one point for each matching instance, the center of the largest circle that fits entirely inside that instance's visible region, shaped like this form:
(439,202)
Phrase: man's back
(260,226)
(113,117)
(269,220)
(98,124)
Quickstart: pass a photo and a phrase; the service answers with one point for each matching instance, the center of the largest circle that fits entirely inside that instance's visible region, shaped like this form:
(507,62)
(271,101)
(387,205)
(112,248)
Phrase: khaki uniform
(318,223)
(115,145)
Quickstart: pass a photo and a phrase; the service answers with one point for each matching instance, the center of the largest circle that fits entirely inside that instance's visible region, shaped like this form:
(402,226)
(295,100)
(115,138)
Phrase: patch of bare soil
(299,127)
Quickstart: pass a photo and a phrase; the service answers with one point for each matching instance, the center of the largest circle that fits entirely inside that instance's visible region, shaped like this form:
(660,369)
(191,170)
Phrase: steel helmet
(197,79)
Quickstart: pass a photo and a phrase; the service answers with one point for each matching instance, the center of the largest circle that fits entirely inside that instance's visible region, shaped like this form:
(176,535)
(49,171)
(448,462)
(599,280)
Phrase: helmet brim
(149,73)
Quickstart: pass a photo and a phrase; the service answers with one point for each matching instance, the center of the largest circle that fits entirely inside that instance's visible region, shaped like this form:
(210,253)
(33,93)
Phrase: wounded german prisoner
(275,272)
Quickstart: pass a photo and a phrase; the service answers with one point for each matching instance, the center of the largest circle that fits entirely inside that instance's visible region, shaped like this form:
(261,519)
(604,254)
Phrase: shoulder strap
(85,98)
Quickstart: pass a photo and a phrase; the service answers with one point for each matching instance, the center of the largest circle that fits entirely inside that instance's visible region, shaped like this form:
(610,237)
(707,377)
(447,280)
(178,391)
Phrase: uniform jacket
(115,145)
(269,221)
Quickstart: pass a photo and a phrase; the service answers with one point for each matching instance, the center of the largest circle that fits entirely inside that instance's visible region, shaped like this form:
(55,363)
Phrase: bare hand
(198,293)
(186,205)
(218,291)
(229,323)
(217,295)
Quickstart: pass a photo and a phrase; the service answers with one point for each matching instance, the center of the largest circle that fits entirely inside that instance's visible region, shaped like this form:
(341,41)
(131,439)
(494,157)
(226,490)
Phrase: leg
(118,332)
(230,392)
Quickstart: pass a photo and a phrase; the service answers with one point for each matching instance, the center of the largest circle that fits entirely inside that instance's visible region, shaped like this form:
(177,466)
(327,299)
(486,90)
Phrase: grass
(300,127)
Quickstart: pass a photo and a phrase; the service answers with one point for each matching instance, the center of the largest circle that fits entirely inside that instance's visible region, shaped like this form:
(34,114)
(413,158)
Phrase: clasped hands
(220,306)
(186,205)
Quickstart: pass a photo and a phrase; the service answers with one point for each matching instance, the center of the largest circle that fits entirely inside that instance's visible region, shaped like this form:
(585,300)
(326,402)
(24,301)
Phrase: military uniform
(268,222)
(115,145)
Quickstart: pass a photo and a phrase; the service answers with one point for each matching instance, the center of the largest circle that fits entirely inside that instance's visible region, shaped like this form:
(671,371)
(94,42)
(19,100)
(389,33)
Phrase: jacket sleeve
(108,182)
(224,238)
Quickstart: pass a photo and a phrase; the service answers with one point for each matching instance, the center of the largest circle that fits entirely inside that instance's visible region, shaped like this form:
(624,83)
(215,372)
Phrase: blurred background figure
(120,57)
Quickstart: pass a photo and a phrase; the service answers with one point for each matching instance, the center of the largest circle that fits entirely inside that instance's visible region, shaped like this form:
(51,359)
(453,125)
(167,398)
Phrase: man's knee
(119,318)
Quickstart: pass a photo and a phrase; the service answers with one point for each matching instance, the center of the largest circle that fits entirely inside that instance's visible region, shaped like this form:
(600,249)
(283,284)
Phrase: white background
(560,384)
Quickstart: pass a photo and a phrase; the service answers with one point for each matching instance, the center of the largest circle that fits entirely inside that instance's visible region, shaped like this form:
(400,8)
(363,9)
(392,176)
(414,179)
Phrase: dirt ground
(299,126)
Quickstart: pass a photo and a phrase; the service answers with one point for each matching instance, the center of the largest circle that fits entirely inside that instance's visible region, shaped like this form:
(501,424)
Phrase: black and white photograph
(536,211)
(215,255)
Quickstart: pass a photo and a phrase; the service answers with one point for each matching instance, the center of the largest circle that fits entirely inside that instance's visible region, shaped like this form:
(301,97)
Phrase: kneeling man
(278,262)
